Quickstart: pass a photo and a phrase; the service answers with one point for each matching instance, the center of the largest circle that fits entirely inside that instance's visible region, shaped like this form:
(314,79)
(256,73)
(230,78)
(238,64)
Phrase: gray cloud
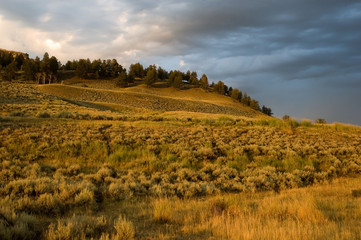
(294,56)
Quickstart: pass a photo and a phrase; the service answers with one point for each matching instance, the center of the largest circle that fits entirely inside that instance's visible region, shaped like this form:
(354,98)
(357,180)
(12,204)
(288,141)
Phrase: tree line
(40,70)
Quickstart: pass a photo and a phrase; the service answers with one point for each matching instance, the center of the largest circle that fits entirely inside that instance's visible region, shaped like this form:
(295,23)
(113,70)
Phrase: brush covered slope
(154,99)
(88,161)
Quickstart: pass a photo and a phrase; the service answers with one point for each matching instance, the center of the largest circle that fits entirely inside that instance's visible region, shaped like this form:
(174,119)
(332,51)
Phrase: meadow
(83,160)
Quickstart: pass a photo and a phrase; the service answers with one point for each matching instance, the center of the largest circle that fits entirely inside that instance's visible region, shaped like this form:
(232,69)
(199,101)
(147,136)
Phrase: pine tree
(268,111)
(29,70)
(177,82)
(82,68)
(244,99)
(219,87)
(9,72)
(137,70)
(122,80)
(204,82)
(188,76)
(162,74)
(45,63)
(151,77)
(130,78)
(235,93)
(254,104)
(53,65)
(172,76)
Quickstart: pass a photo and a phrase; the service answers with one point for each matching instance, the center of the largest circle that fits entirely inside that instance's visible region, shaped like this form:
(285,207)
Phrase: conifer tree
(122,80)
(29,70)
(45,63)
(9,72)
(219,87)
(177,82)
(151,77)
(204,82)
(235,93)
(53,65)
(137,70)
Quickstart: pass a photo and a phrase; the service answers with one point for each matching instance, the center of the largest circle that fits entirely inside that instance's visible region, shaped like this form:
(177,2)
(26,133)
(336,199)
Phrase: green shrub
(239,162)
(43,115)
(17,114)
(286,118)
(321,121)
(356,193)
(65,115)
(4,119)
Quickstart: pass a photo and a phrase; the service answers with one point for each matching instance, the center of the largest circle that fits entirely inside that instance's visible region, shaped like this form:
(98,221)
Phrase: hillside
(155,99)
(86,160)
(14,53)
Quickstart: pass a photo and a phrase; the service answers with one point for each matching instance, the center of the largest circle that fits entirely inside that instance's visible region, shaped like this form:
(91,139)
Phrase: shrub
(162,210)
(65,115)
(321,121)
(124,228)
(286,118)
(43,115)
(85,197)
(77,227)
(47,203)
(356,193)
(217,206)
(15,226)
(116,190)
(17,114)
(4,119)
(60,231)
(73,170)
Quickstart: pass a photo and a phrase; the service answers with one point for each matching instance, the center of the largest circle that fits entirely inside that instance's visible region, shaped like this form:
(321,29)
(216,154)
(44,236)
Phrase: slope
(154,99)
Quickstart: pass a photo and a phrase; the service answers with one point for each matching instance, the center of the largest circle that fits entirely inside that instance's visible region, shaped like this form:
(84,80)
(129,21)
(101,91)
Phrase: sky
(301,58)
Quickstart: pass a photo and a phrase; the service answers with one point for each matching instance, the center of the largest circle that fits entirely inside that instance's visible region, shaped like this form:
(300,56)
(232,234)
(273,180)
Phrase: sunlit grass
(70,170)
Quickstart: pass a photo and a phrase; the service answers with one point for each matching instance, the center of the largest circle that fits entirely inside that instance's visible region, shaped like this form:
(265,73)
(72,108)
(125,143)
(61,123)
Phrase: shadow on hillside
(89,105)
(18,100)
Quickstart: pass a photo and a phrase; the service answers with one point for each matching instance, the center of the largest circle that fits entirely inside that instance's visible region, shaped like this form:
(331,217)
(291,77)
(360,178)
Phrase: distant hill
(155,99)
(15,53)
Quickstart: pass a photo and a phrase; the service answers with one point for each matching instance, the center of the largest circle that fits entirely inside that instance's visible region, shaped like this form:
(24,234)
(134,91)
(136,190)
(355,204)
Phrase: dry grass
(319,212)
(322,212)
(141,97)
(193,94)
(85,168)
(163,210)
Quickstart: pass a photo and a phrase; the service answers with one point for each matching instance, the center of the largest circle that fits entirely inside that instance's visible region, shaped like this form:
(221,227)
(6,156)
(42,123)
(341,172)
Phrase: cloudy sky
(301,58)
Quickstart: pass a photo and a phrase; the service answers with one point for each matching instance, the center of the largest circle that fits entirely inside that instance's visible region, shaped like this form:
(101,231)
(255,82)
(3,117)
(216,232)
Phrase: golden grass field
(154,99)
(87,160)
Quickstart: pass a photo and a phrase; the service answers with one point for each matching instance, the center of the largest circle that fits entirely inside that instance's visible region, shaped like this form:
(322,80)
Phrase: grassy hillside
(14,53)
(154,99)
(85,160)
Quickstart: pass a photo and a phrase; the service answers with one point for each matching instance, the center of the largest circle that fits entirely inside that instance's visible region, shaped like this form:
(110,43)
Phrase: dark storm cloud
(294,56)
